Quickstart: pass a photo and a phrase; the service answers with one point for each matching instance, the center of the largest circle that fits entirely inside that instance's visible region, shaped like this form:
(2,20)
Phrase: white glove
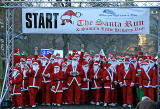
(115,82)
(132,84)
(140,87)
(120,84)
(153,86)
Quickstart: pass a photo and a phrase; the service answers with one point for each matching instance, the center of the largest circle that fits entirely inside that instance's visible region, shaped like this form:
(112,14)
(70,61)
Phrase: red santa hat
(97,55)
(29,58)
(56,64)
(71,13)
(113,58)
(74,58)
(85,62)
(133,58)
(33,58)
(74,50)
(64,63)
(96,62)
(57,55)
(69,57)
(17,68)
(87,54)
(35,62)
(22,59)
(140,53)
(127,60)
(145,62)
(52,57)
(16,50)
(76,54)
(111,54)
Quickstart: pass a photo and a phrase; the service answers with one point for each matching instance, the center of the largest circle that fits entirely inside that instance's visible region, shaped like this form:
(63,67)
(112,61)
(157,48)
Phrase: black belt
(25,79)
(58,80)
(147,79)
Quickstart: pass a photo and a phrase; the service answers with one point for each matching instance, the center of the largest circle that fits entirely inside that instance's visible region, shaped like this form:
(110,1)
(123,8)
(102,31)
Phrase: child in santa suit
(57,84)
(85,82)
(16,84)
(96,82)
(25,91)
(35,78)
(127,78)
(110,80)
(147,80)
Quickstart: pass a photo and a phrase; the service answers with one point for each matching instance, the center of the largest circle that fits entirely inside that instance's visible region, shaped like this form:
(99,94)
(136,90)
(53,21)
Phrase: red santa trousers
(109,96)
(127,95)
(58,98)
(96,95)
(84,96)
(25,98)
(149,92)
(46,93)
(65,96)
(74,93)
(32,95)
(17,100)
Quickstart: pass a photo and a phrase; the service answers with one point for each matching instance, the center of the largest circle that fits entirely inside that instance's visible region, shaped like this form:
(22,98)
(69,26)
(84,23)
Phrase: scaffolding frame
(11,5)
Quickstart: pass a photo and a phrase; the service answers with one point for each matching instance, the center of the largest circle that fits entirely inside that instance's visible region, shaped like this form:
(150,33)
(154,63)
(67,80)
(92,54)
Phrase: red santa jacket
(64,78)
(25,81)
(148,78)
(57,82)
(16,84)
(109,78)
(47,70)
(85,80)
(127,77)
(35,78)
(74,76)
(96,76)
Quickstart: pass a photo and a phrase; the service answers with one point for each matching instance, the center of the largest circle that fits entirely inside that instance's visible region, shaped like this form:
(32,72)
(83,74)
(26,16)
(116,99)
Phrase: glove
(115,82)
(120,84)
(132,84)
(154,87)
(140,87)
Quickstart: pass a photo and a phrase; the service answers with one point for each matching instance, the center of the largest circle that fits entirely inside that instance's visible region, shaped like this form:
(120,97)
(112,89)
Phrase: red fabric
(58,97)
(46,93)
(96,95)
(127,77)
(109,96)
(74,93)
(84,96)
(149,92)
(32,95)
(25,98)
(127,95)
(145,81)
(17,100)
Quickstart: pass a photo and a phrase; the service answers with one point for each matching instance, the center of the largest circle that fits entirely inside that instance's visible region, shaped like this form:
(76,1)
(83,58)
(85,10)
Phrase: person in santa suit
(45,87)
(16,57)
(110,80)
(85,82)
(88,58)
(74,74)
(96,83)
(25,91)
(35,78)
(65,88)
(29,60)
(58,59)
(127,78)
(16,84)
(147,80)
(57,84)
(22,63)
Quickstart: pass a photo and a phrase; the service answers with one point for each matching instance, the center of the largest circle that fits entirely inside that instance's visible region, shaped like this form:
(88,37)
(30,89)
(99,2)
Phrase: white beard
(58,60)
(151,65)
(68,62)
(96,58)
(52,61)
(44,63)
(22,65)
(95,68)
(85,69)
(64,69)
(126,66)
(87,58)
(134,64)
(14,73)
(145,67)
(56,70)
(35,68)
(29,62)
(74,63)
(24,73)
(114,64)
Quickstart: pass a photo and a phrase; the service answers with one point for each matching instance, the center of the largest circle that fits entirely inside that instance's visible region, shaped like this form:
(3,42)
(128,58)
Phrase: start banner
(86,20)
